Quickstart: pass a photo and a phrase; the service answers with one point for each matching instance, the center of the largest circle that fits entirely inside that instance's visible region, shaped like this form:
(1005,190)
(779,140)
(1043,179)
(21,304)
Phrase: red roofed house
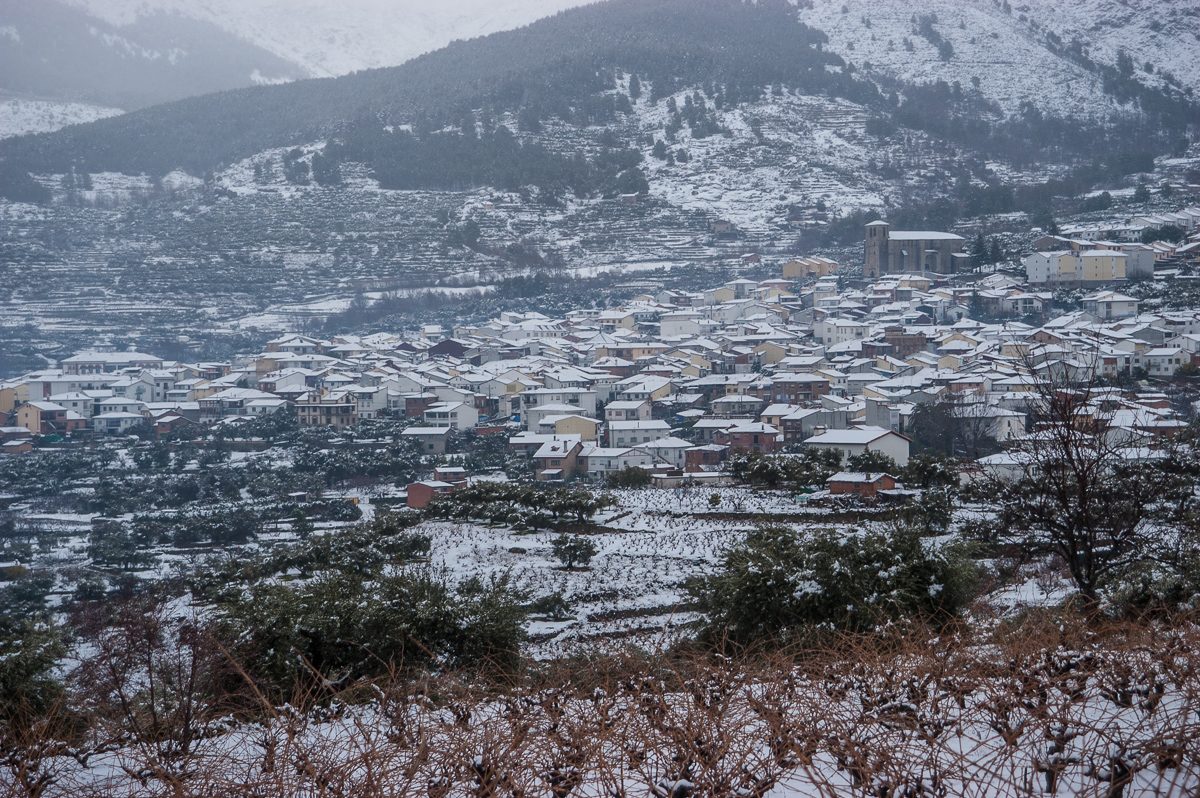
(421,494)
(863,484)
(753,436)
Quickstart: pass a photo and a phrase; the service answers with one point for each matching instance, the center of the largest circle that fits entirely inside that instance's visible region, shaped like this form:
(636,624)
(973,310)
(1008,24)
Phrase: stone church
(896,251)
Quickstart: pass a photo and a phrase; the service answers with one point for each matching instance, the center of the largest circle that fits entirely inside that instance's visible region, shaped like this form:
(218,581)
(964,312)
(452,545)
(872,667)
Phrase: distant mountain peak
(328,39)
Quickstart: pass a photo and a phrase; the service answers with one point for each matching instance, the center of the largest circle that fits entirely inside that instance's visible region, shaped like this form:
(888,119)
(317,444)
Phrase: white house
(635,410)
(80,402)
(680,324)
(857,440)
(839,331)
(1042,267)
(603,460)
(1110,305)
(630,433)
(669,450)
(1163,361)
(116,422)
(456,415)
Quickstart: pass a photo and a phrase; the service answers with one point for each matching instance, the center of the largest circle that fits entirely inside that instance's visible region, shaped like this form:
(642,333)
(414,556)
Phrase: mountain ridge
(574,67)
(55,52)
(329,40)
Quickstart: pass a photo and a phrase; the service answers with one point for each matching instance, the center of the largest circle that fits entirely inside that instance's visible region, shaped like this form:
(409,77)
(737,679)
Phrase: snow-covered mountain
(54,52)
(335,38)
(18,117)
(1009,45)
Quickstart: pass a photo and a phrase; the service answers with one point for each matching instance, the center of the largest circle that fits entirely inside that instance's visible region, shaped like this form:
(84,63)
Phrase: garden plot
(634,583)
(692,501)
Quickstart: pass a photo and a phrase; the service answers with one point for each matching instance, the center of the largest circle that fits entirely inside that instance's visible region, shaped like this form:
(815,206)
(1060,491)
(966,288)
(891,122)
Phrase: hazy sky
(331,37)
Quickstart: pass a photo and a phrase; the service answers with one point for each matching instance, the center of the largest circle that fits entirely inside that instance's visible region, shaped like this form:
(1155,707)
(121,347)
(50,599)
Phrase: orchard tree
(572,550)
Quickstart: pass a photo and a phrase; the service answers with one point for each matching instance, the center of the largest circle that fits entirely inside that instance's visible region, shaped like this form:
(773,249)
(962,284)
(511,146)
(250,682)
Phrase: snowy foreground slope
(941,720)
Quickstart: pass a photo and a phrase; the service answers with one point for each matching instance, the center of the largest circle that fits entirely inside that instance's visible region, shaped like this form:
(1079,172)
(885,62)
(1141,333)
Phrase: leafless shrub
(1060,705)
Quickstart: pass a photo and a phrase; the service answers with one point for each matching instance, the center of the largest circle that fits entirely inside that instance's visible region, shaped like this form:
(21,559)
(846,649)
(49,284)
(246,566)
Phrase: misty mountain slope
(1017,55)
(21,117)
(51,51)
(553,67)
(430,124)
(329,39)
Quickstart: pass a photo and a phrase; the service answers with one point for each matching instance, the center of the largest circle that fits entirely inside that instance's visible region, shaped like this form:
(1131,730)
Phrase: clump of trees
(1120,519)
(520,504)
(357,603)
(493,156)
(780,584)
(811,468)
(629,477)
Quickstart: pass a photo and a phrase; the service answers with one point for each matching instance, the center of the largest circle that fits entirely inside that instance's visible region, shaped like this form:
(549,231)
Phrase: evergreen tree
(326,170)
(635,87)
(572,550)
(19,186)
(995,255)
(979,250)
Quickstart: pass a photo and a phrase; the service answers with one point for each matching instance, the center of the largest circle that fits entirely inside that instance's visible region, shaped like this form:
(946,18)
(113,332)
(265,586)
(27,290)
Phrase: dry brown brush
(1047,706)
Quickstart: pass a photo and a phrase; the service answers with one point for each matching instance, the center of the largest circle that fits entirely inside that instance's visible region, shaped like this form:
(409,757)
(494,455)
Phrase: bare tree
(1102,497)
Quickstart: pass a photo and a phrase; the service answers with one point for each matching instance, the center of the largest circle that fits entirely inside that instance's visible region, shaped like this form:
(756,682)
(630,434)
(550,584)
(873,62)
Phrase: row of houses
(673,379)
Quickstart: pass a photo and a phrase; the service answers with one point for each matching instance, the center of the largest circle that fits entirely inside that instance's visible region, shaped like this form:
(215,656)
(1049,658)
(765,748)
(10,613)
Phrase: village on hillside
(672,383)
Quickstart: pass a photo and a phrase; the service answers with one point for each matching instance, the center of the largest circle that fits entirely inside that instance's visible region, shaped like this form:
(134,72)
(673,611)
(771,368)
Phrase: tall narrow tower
(875,260)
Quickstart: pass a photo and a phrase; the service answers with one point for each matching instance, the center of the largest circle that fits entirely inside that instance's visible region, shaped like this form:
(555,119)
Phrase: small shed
(421,494)
(866,485)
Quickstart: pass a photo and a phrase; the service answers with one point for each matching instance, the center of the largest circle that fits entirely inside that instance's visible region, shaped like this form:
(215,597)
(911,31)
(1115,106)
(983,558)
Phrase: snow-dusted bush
(779,584)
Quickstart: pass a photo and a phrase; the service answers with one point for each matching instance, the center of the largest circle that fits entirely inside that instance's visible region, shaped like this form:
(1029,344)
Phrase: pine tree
(635,88)
(979,250)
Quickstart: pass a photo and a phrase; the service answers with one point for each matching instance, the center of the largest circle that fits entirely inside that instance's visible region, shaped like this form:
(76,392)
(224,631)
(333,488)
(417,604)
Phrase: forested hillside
(446,120)
(551,67)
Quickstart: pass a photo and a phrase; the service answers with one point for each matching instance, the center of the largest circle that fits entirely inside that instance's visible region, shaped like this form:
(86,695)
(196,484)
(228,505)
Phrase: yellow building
(1101,265)
(587,428)
(771,352)
(805,268)
(8,398)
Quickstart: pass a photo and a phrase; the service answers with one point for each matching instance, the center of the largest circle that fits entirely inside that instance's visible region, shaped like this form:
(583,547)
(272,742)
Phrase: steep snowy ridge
(18,117)
(56,52)
(1007,50)
(330,39)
